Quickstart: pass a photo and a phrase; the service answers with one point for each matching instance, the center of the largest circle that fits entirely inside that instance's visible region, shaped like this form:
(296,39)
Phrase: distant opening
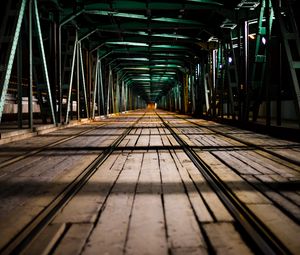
(151,106)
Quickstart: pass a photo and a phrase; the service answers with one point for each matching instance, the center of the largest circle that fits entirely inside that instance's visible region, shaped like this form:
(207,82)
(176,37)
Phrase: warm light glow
(252,36)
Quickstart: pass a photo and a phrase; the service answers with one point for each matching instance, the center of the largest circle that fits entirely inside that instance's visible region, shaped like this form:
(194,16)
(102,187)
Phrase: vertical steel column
(59,94)
(69,101)
(206,92)
(108,90)
(185,92)
(123,96)
(213,92)
(117,95)
(278,103)
(267,71)
(126,96)
(194,95)
(78,79)
(179,97)
(68,19)
(11,57)
(101,87)
(83,81)
(95,88)
(98,88)
(56,66)
(30,112)
(19,71)
(44,59)
(112,92)
(245,90)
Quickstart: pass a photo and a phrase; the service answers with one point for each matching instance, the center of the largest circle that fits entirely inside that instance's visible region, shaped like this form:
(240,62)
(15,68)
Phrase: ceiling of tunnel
(150,42)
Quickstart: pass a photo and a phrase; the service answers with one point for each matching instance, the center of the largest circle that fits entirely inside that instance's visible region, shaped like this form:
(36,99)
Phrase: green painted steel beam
(12,56)
(143,33)
(143,17)
(147,47)
(162,5)
(135,25)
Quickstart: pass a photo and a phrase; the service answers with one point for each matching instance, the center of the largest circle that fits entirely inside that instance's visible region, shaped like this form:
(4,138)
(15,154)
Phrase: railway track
(25,237)
(255,233)
(51,145)
(264,240)
(242,141)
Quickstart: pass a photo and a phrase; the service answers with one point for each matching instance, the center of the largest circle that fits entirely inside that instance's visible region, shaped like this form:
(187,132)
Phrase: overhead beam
(162,5)
(143,17)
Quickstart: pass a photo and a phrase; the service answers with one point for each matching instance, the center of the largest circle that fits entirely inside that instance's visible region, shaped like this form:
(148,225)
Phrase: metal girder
(134,25)
(83,79)
(44,59)
(143,17)
(71,79)
(139,34)
(162,5)
(11,57)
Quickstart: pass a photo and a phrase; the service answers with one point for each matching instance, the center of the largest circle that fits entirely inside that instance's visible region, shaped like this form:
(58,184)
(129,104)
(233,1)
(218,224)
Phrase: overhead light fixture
(228,24)
(129,44)
(248,4)
(213,39)
(252,36)
(134,59)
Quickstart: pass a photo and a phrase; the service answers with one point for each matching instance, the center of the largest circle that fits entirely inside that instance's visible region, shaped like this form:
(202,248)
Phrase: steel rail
(50,145)
(25,237)
(259,234)
(243,142)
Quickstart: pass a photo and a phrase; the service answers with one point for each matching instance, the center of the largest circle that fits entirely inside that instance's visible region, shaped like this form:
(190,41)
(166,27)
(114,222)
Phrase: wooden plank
(165,140)
(46,240)
(209,196)
(244,191)
(278,160)
(74,240)
(235,163)
(273,195)
(183,163)
(109,235)
(147,221)
(287,231)
(132,140)
(183,230)
(85,206)
(290,184)
(155,140)
(12,222)
(143,140)
(172,140)
(225,239)
(263,162)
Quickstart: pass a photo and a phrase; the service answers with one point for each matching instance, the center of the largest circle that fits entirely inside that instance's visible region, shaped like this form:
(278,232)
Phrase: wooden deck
(148,197)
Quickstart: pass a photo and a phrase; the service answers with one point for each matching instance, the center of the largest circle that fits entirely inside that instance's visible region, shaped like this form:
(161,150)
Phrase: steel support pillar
(30,111)
(95,88)
(108,91)
(83,81)
(20,94)
(77,81)
(11,57)
(185,92)
(69,101)
(41,45)
(267,70)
